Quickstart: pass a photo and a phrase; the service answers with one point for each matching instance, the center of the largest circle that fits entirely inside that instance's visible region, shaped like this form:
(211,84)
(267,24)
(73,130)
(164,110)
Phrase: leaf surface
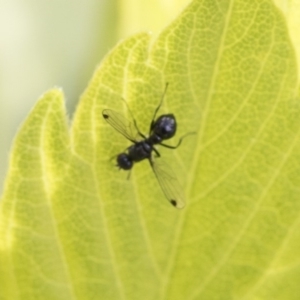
(73,227)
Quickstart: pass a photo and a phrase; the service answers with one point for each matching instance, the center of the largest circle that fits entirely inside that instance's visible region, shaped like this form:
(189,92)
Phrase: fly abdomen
(164,127)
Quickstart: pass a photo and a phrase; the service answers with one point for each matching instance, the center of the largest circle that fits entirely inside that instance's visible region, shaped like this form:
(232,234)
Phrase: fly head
(124,162)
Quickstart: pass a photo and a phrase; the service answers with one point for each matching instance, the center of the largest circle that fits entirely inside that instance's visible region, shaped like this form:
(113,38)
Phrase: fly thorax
(147,147)
(155,139)
(140,151)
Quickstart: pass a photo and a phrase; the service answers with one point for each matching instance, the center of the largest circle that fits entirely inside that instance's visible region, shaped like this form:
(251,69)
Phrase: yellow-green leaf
(73,227)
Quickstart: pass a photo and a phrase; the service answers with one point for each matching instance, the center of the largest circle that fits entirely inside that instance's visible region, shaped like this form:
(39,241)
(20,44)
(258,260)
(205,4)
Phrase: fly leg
(134,121)
(179,142)
(157,109)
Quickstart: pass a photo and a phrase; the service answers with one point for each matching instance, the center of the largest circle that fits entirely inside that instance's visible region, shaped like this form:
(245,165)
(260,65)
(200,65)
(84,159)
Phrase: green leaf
(73,227)
(149,15)
(291,11)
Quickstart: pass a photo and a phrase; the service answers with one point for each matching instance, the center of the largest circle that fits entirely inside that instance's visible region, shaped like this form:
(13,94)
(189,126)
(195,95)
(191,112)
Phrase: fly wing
(121,124)
(168,183)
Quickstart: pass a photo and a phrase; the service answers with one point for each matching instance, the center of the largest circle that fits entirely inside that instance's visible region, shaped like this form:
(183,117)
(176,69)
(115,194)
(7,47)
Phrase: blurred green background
(60,43)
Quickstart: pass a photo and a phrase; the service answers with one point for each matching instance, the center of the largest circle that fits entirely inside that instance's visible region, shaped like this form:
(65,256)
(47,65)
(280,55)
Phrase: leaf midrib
(194,164)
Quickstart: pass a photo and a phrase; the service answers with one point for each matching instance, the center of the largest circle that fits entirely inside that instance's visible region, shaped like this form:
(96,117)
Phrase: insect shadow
(161,129)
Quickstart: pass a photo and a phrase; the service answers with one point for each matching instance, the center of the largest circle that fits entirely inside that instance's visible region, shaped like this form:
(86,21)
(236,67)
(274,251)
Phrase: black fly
(163,128)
